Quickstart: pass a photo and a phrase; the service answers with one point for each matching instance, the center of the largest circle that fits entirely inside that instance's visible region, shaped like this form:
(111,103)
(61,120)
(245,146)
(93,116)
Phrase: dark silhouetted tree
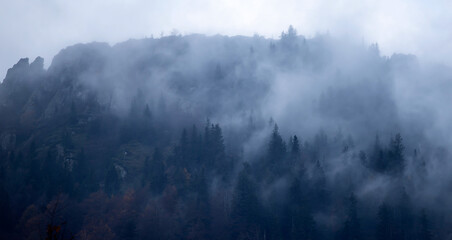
(295,147)
(198,217)
(245,207)
(112,181)
(404,218)
(276,155)
(297,219)
(384,223)
(352,225)
(396,159)
(425,231)
(154,172)
(377,156)
(319,191)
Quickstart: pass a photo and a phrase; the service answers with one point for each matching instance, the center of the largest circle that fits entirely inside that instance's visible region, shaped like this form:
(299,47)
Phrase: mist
(342,99)
(41,28)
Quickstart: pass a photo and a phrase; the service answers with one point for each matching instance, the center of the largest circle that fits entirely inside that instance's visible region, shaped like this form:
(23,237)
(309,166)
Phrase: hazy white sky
(31,28)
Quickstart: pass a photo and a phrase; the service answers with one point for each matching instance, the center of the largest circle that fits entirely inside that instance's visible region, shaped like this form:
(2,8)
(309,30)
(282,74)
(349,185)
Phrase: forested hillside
(216,137)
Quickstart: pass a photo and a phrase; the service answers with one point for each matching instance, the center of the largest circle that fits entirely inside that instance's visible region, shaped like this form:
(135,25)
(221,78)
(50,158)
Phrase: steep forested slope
(196,137)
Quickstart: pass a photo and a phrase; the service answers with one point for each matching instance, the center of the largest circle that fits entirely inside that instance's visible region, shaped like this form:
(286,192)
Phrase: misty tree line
(197,190)
(112,143)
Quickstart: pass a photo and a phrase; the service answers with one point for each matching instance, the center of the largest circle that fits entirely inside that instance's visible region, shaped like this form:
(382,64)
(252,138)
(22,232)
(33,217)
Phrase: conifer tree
(377,160)
(112,181)
(384,223)
(298,222)
(276,155)
(154,172)
(245,206)
(396,159)
(425,231)
(352,225)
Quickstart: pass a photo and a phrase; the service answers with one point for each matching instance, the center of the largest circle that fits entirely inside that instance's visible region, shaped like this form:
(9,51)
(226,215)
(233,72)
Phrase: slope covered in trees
(196,137)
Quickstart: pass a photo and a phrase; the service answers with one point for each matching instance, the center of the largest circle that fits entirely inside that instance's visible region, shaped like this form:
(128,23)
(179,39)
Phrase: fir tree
(154,172)
(245,206)
(396,159)
(352,225)
(425,231)
(276,155)
(377,159)
(385,222)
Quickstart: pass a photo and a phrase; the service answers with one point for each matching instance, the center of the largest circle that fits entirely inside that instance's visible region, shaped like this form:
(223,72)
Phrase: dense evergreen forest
(215,137)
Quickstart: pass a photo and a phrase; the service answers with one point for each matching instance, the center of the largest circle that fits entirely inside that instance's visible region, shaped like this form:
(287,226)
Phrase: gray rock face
(18,72)
(31,94)
(37,65)
(24,71)
(20,82)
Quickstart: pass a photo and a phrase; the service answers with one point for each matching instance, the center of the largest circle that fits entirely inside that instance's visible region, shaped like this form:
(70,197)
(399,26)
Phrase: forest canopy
(216,137)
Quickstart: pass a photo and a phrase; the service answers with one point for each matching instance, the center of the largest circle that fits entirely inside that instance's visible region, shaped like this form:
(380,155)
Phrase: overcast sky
(31,28)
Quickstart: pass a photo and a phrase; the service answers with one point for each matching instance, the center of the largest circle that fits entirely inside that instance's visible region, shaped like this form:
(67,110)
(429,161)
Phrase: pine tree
(198,225)
(195,147)
(377,159)
(289,39)
(352,226)
(319,192)
(217,148)
(296,166)
(112,181)
(276,147)
(245,206)
(404,218)
(298,222)
(396,159)
(295,147)
(146,125)
(385,222)
(213,155)
(276,155)
(355,225)
(425,231)
(154,172)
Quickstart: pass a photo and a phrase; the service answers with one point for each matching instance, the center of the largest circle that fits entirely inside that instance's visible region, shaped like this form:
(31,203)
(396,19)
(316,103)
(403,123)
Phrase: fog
(121,80)
(305,85)
(42,28)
